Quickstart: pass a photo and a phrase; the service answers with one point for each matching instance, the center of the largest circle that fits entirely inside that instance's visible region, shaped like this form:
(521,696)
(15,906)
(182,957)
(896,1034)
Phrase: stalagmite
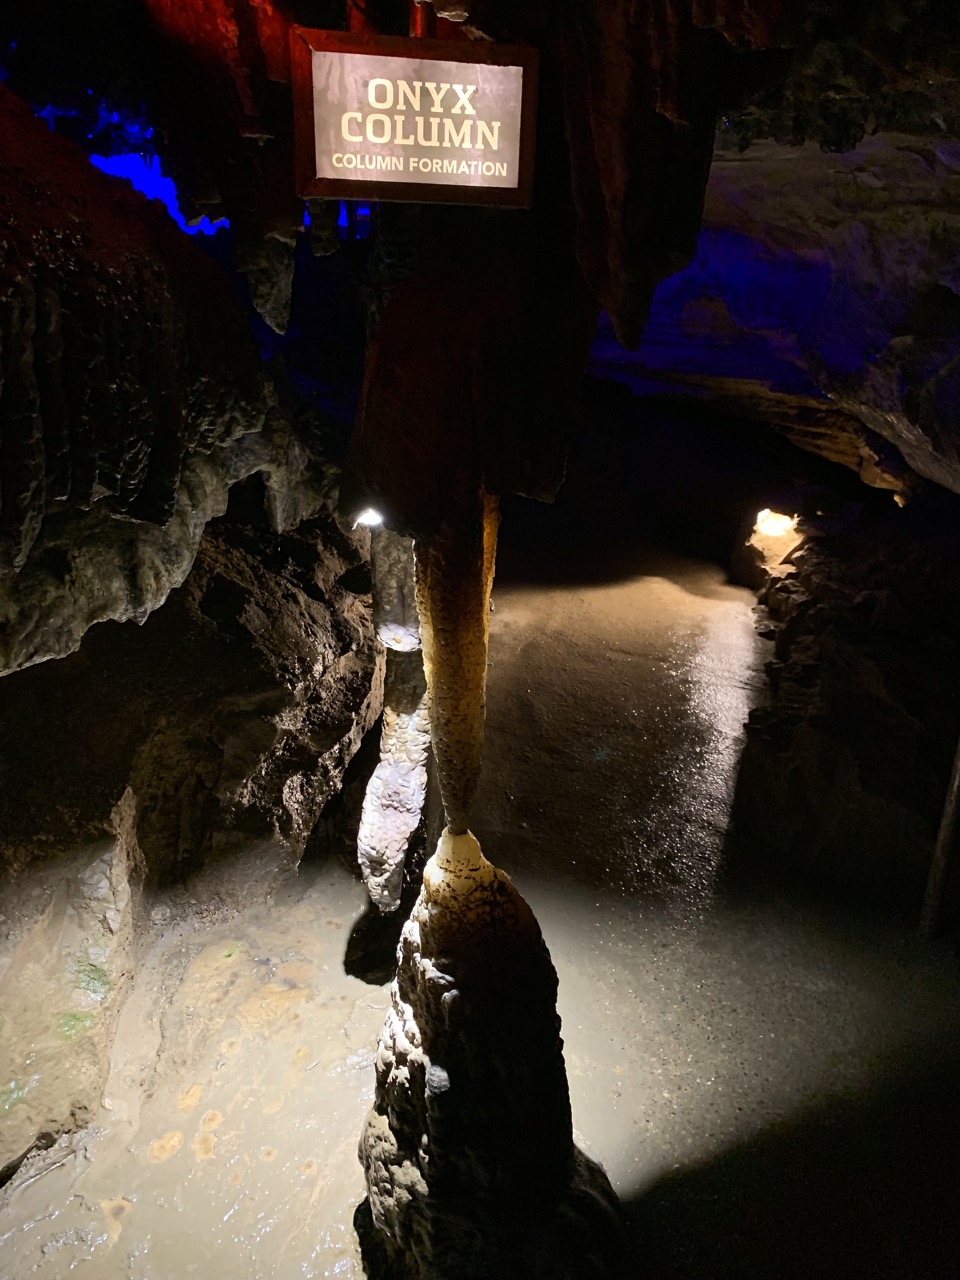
(470,1163)
(395,793)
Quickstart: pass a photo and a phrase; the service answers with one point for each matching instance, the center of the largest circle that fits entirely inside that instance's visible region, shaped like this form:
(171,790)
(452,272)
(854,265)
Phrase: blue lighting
(124,150)
(144,173)
(353,220)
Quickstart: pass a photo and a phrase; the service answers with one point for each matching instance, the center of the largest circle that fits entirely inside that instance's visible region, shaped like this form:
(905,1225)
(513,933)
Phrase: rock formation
(190,756)
(397,788)
(822,302)
(469,1156)
(110,318)
(845,770)
(468,1152)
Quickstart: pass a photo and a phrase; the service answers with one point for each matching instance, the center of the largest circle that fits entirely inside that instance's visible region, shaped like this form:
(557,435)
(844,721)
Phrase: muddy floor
(767,1081)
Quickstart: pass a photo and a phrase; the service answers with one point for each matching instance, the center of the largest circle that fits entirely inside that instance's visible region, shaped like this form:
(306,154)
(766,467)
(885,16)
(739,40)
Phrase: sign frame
(303,42)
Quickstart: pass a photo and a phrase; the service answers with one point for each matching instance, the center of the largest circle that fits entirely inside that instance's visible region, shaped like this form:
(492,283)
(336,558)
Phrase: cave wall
(181,767)
(130,381)
(846,766)
(823,299)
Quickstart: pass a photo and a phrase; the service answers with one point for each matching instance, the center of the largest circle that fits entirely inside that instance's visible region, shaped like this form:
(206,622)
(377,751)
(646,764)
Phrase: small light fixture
(773,524)
(368,517)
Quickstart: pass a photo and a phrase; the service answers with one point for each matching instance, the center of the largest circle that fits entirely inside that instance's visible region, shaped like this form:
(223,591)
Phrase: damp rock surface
(231,714)
(468,1150)
(821,300)
(852,753)
(124,355)
(62,985)
(226,1138)
(394,799)
(197,749)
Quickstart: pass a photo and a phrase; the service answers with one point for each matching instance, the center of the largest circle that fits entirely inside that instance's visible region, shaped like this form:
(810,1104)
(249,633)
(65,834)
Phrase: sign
(388,118)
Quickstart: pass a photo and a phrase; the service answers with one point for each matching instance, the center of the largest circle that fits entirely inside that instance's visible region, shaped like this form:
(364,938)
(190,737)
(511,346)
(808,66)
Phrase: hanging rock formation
(454,580)
(129,388)
(468,1151)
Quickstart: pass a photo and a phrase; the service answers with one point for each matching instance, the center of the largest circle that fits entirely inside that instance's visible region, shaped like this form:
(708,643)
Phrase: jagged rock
(822,299)
(131,400)
(394,591)
(123,349)
(93,567)
(271,285)
(845,771)
(468,1152)
(231,714)
(397,789)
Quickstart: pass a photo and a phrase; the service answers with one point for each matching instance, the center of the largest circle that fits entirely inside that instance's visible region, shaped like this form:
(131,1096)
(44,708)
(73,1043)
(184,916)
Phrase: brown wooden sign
(387,118)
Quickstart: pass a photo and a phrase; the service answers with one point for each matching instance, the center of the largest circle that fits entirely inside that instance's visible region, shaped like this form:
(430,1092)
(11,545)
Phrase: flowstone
(471,1168)
(468,1151)
(396,792)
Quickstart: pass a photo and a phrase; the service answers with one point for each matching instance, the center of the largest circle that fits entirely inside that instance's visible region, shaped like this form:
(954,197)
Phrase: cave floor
(769,1082)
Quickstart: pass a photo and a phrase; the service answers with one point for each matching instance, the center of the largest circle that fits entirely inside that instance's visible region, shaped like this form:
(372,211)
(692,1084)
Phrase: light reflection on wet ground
(732,1058)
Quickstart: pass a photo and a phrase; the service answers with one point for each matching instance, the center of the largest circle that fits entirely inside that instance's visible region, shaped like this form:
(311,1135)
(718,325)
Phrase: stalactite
(468,1151)
(454,579)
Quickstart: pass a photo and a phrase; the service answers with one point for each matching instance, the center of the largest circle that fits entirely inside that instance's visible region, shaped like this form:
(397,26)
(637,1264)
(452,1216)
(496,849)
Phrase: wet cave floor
(768,1082)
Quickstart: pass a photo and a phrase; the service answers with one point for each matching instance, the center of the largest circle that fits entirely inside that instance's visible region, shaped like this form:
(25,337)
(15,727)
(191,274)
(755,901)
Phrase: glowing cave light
(772,524)
(369,517)
(144,173)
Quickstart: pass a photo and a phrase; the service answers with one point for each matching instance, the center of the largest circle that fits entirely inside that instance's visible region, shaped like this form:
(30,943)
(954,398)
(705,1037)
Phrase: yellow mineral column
(454,578)
(468,1151)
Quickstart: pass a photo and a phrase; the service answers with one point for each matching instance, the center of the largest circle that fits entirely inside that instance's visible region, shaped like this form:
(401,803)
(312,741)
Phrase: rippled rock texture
(824,298)
(845,771)
(130,382)
(66,964)
(468,1152)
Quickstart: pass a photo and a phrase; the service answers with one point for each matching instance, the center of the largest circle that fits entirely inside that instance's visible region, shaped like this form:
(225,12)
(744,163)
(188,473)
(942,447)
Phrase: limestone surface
(454,580)
(397,788)
(468,1151)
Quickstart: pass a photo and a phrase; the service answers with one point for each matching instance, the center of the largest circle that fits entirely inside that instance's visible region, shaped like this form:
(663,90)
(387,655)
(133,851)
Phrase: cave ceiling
(130,353)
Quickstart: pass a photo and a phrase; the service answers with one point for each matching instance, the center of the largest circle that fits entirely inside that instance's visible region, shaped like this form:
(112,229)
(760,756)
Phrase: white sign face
(416,120)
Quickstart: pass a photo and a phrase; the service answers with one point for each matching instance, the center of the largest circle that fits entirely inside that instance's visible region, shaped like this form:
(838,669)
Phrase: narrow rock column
(397,788)
(470,1162)
(454,580)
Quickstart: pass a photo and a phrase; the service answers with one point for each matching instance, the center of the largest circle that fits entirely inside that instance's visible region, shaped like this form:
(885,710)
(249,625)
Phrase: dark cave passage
(755,1069)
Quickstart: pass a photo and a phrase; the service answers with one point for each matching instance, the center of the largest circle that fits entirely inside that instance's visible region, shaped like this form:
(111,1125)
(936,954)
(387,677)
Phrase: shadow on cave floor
(861,1186)
(765,1074)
